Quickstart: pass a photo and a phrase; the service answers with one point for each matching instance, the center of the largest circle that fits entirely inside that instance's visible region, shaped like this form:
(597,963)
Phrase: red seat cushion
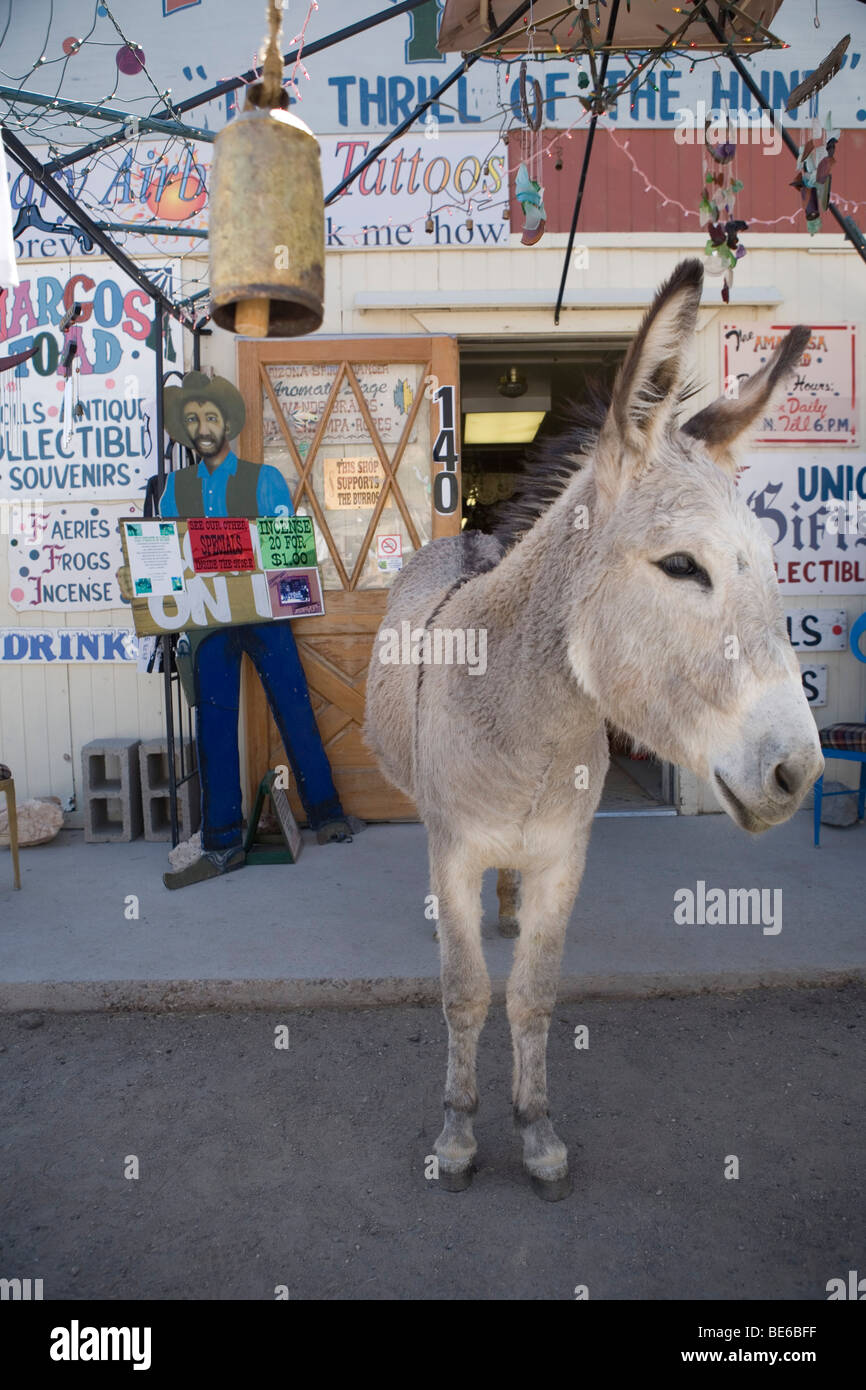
(851,737)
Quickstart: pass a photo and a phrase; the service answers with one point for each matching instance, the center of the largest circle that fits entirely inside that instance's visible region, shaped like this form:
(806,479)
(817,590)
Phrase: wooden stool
(7,785)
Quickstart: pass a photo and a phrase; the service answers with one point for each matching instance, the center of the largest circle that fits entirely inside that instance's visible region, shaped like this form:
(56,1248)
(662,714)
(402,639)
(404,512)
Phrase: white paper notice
(154,558)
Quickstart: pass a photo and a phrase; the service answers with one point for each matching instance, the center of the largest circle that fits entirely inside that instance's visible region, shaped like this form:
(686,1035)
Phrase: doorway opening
(514,393)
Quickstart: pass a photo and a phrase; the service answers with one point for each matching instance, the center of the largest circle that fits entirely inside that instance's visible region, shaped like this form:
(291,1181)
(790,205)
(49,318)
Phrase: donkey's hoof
(456,1179)
(552,1189)
(509,926)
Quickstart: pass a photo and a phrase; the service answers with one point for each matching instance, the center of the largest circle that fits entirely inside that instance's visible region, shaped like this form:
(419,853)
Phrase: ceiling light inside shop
(502,427)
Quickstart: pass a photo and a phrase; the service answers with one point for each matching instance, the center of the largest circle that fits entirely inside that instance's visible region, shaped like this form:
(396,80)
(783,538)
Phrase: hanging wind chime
(719,193)
(527,190)
(73,410)
(267,213)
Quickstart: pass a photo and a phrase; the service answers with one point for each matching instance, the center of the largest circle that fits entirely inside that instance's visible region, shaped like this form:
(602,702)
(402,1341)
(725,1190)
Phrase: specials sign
(221,598)
(820,407)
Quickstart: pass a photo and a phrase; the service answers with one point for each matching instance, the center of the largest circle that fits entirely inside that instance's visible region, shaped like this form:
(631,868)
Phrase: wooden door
(365,431)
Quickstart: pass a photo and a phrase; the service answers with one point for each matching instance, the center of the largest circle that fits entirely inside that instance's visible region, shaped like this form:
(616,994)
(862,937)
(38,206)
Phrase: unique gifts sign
(218,597)
(820,407)
(815,516)
(64,559)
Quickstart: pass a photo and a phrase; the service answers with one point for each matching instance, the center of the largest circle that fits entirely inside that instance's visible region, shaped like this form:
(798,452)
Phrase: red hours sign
(821,404)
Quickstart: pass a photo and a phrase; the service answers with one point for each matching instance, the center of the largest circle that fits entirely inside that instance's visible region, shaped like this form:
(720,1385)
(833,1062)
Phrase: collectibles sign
(815,516)
(818,630)
(110,452)
(64,559)
(820,407)
(218,599)
(73,645)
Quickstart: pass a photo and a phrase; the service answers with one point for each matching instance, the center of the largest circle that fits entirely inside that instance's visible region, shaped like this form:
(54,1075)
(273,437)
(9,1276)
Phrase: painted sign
(302,391)
(352,482)
(815,516)
(67,559)
(815,684)
(90,645)
(821,406)
(373,80)
(220,544)
(224,600)
(818,630)
(112,452)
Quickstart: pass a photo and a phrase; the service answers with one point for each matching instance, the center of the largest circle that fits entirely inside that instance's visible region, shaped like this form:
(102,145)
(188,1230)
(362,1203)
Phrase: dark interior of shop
(513,396)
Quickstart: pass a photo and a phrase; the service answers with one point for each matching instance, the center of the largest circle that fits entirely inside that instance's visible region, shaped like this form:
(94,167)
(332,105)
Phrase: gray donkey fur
(644,593)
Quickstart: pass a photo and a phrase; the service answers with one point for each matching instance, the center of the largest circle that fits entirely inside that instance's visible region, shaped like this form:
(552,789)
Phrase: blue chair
(845,741)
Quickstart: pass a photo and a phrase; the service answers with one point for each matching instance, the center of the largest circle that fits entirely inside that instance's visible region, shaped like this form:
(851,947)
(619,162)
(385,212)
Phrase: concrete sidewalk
(346,924)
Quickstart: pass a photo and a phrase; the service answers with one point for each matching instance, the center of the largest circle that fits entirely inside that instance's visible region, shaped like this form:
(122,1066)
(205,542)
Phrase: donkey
(644,594)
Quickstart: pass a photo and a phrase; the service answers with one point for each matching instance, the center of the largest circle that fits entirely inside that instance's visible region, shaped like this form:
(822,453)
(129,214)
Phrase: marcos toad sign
(111,453)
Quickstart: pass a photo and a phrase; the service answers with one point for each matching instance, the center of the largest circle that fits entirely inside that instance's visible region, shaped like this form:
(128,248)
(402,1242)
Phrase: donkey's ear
(726,423)
(645,393)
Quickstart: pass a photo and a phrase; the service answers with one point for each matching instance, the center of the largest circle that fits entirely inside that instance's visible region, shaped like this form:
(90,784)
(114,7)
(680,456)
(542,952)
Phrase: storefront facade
(356,418)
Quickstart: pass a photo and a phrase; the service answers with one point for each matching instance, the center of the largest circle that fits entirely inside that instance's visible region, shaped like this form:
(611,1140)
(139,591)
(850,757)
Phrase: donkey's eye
(682,566)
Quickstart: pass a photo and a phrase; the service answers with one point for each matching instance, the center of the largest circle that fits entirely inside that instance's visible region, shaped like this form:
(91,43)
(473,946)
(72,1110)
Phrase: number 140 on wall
(446,489)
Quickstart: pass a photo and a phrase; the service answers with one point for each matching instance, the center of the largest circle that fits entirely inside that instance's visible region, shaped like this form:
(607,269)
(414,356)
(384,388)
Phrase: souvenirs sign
(218,599)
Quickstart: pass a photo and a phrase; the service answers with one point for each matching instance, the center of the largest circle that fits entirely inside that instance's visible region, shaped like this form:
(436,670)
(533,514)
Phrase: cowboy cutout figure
(204,414)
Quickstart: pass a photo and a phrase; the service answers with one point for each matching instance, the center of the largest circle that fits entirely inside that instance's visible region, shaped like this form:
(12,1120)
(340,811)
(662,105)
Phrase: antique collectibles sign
(64,559)
(815,516)
(219,598)
(820,407)
(109,451)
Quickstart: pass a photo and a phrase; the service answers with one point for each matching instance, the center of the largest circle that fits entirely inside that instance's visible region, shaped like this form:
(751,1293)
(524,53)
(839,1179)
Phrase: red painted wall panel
(615,198)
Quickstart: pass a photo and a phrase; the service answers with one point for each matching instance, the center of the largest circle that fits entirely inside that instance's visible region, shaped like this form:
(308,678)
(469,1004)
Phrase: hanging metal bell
(267,223)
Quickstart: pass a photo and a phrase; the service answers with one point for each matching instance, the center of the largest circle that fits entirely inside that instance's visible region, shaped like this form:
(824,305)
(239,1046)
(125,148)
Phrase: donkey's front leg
(465,1000)
(546,899)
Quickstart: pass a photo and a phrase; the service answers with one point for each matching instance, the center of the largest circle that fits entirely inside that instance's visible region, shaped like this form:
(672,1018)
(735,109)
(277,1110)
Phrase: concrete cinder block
(155,799)
(112,790)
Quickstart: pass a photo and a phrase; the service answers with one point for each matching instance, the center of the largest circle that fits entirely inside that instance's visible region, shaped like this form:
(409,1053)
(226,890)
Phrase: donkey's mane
(551,464)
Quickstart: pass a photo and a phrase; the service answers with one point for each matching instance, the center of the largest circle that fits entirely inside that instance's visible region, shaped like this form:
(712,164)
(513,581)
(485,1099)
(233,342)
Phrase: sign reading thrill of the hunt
(820,407)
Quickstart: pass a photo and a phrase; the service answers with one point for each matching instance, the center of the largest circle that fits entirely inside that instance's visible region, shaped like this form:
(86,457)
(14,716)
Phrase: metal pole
(106,113)
(743,73)
(31,165)
(167,651)
(590,139)
(395,134)
(251,75)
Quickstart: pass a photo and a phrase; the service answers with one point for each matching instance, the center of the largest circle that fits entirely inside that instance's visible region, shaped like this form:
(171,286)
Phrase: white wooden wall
(47,713)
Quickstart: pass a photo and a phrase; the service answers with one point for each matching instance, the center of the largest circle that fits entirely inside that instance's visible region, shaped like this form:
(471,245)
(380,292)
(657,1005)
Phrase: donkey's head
(677,630)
